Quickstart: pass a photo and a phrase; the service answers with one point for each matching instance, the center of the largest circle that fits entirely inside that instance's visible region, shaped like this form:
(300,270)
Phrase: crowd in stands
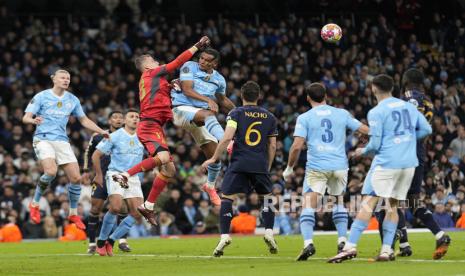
(282,55)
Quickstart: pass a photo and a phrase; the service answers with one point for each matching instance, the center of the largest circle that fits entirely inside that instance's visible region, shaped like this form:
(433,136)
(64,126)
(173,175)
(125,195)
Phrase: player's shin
(146,165)
(389,232)
(307,224)
(214,128)
(74,192)
(226,213)
(213,171)
(123,228)
(158,185)
(341,219)
(403,239)
(44,182)
(109,221)
(92,226)
(426,217)
(356,230)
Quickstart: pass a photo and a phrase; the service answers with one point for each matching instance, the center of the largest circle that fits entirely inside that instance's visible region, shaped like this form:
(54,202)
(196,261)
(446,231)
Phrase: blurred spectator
(243,223)
(165,226)
(442,218)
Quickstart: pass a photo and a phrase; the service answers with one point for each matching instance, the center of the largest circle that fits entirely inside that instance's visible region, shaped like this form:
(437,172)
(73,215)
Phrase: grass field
(245,256)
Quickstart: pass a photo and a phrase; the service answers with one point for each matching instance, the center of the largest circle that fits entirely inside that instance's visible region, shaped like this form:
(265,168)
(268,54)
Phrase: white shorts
(61,151)
(388,183)
(183,116)
(319,181)
(114,188)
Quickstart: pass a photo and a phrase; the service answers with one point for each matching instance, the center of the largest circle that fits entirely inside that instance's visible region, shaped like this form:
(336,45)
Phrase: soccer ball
(331,33)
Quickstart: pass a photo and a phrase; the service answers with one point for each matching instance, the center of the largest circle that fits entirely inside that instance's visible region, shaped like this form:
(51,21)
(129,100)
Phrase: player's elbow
(26,118)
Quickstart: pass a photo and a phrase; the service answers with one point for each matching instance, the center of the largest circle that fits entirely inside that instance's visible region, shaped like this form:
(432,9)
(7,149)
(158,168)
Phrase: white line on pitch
(239,257)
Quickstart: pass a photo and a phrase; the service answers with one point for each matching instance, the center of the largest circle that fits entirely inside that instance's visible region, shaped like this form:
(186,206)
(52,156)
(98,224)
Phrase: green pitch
(245,256)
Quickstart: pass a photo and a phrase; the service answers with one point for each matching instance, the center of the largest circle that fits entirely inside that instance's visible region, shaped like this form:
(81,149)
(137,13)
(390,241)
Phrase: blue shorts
(99,192)
(243,182)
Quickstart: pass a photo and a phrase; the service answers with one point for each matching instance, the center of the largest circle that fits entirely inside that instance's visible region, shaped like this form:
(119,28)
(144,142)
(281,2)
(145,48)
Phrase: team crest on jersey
(59,104)
(185,69)
(131,143)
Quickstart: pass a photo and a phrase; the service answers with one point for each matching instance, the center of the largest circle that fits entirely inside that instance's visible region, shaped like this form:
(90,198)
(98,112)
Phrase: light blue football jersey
(55,112)
(396,121)
(126,150)
(205,84)
(324,128)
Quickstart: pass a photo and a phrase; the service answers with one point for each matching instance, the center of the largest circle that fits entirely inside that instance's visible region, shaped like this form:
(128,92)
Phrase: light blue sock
(214,128)
(44,181)
(340,219)
(389,232)
(213,172)
(307,223)
(109,221)
(74,192)
(123,227)
(356,230)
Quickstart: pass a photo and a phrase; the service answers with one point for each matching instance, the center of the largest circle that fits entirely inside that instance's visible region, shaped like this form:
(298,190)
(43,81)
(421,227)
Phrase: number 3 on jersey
(328,136)
(249,132)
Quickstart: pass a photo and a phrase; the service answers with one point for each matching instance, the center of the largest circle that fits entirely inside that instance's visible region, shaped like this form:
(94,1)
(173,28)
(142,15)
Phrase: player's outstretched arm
(28,119)
(187,55)
(423,128)
(229,133)
(294,153)
(96,156)
(225,102)
(271,147)
(89,124)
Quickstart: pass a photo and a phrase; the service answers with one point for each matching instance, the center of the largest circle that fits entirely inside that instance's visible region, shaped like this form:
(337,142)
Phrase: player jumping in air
(195,108)
(412,82)
(155,111)
(52,108)
(323,128)
(254,130)
(395,126)
(99,192)
(126,151)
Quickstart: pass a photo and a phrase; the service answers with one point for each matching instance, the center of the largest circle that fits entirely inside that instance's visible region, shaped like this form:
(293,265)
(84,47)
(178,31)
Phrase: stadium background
(275,43)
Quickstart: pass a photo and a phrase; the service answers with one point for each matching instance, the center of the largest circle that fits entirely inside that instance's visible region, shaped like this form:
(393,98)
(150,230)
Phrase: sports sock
(158,185)
(146,165)
(74,192)
(123,228)
(402,227)
(356,230)
(307,223)
(389,232)
(341,219)
(380,217)
(226,212)
(268,218)
(426,217)
(44,181)
(120,219)
(109,221)
(214,128)
(92,226)
(212,173)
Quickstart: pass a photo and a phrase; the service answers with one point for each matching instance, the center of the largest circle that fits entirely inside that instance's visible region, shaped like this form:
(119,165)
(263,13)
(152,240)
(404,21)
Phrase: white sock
(439,235)
(269,232)
(210,184)
(123,241)
(92,244)
(404,245)
(341,239)
(34,204)
(224,236)
(307,242)
(73,211)
(386,249)
(349,245)
(149,205)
